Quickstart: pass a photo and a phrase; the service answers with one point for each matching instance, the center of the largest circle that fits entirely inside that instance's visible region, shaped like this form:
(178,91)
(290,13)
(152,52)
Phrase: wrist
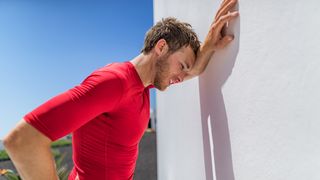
(204,49)
(205,52)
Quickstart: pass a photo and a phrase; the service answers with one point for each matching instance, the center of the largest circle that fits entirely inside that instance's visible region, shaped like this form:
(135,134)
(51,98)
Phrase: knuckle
(225,17)
(220,20)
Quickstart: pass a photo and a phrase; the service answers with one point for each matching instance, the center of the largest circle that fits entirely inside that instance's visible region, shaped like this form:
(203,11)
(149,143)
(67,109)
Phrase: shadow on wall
(216,138)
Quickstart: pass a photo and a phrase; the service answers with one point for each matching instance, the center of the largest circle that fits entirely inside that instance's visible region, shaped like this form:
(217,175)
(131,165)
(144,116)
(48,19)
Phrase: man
(109,111)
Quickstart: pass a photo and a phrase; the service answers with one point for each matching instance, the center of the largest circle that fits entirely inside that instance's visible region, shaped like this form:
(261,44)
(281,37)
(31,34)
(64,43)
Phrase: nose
(181,76)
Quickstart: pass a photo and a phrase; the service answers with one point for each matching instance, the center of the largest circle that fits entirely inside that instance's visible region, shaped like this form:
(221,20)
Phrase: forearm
(203,57)
(32,157)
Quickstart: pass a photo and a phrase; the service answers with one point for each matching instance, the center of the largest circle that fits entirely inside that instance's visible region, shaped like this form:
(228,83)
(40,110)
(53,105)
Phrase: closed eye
(181,66)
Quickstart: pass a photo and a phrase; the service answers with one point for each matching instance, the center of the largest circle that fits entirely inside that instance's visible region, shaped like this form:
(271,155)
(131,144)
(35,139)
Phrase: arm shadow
(216,137)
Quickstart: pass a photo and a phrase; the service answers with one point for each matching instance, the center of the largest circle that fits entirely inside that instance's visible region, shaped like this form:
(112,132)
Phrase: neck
(145,66)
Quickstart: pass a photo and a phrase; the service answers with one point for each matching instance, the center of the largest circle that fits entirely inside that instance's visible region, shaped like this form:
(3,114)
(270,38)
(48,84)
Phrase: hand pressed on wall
(216,38)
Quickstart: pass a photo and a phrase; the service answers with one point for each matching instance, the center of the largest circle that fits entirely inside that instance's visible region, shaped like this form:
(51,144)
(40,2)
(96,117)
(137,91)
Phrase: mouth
(171,81)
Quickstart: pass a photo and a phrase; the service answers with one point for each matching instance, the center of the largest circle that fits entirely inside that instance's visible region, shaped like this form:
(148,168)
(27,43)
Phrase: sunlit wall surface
(254,113)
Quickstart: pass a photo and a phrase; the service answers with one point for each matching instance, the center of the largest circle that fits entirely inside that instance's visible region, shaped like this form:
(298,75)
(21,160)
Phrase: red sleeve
(100,92)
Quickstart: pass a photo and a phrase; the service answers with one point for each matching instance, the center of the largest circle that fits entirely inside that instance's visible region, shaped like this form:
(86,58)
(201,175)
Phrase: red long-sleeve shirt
(107,113)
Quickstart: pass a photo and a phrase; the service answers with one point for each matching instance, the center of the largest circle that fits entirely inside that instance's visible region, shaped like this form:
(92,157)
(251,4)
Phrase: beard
(162,71)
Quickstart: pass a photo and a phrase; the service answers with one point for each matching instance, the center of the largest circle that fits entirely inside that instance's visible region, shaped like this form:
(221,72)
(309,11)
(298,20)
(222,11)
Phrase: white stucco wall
(254,113)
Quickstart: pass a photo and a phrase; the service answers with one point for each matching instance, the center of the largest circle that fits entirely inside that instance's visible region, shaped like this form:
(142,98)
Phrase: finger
(224,19)
(221,6)
(224,10)
(225,41)
(224,2)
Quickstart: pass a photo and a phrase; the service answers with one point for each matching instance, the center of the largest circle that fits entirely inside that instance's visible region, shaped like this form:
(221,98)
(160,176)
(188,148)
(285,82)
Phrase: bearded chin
(157,81)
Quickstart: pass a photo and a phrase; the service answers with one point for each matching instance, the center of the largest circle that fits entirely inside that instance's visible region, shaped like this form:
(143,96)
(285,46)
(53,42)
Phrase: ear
(161,47)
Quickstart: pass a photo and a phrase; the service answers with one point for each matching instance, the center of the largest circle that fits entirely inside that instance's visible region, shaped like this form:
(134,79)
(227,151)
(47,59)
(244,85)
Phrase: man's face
(172,68)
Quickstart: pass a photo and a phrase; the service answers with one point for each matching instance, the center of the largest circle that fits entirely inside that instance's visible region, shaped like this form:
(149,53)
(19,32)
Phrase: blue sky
(47,47)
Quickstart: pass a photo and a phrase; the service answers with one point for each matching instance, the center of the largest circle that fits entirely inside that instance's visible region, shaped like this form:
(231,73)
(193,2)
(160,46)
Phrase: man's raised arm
(215,38)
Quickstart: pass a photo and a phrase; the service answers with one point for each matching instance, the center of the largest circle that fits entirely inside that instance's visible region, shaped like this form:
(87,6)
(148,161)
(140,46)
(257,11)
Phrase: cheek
(175,70)
(163,70)
(170,68)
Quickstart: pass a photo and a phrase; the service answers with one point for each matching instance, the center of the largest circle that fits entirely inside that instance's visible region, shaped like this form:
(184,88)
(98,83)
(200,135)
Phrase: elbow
(24,135)
(8,145)
(5,143)
(16,138)
(11,140)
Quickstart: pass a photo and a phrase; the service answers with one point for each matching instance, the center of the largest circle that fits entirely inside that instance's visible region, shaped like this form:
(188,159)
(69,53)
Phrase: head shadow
(216,137)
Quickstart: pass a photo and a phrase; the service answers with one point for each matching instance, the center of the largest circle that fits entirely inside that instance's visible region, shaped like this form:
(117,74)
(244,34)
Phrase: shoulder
(113,71)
